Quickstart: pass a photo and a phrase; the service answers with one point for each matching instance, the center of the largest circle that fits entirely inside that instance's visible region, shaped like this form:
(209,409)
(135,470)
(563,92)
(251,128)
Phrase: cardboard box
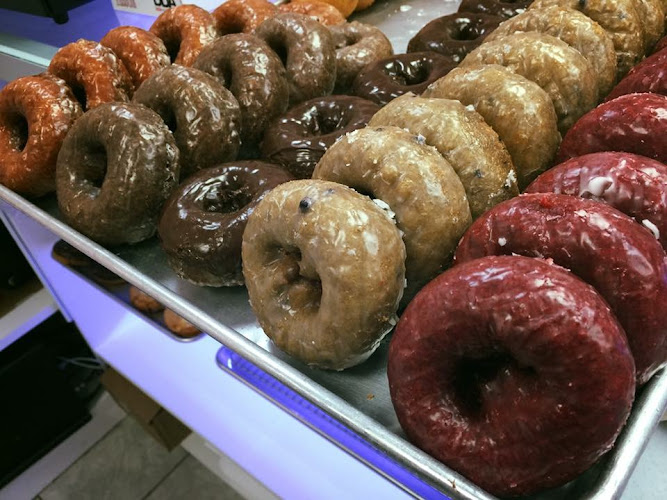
(158,422)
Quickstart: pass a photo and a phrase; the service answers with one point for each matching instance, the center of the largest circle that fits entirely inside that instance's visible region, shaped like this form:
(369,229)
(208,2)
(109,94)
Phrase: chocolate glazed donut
(202,224)
(116,168)
(298,139)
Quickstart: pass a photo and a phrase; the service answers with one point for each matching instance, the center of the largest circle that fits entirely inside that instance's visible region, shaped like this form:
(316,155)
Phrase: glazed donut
(201,113)
(324,267)
(178,325)
(506,9)
(144,302)
(357,45)
(559,69)
(363,5)
(322,12)
(469,144)
(601,245)
(662,44)
(298,139)
(632,184)
(93,72)
(454,35)
(635,123)
(652,16)
(141,52)
(116,168)
(512,372)
(69,256)
(575,29)
(242,16)
(345,7)
(620,20)
(36,113)
(310,55)
(419,186)
(394,76)
(650,75)
(202,223)
(185,31)
(254,74)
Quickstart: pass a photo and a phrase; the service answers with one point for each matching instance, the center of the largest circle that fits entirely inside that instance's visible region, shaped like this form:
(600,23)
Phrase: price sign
(153,7)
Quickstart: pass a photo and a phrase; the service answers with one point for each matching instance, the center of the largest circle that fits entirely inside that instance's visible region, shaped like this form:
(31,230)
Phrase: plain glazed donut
(506,9)
(325,271)
(484,377)
(650,75)
(242,16)
(117,167)
(141,51)
(310,55)
(35,115)
(419,186)
(516,108)
(322,12)
(298,139)
(345,7)
(93,72)
(469,144)
(185,31)
(202,114)
(601,245)
(202,223)
(652,16)
(248,67)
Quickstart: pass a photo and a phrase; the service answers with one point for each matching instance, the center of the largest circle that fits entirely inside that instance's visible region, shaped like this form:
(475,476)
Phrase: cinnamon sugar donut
(242,16)
(322,12)
(185,30)
(35,115)
(93,72)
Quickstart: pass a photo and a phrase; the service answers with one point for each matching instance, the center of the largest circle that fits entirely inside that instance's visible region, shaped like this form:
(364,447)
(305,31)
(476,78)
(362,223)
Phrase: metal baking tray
(358,398)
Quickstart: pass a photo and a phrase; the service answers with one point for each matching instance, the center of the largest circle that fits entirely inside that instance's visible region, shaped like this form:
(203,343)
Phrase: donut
(242,16)
(574,28)
(632,184)
(144,302)
(506,9)
(620,20)
(116,168)
(298,139)
(141,52)
(100,275)
(345,7)
(512,372)
(309,54)
(322,12)
(662,44)
(516,108)
(560,70)
(202,114)
(469,144)
(601,245)
(179,326)
(386,79)
(35,115)
(454,35)
(202,223)
(635,123)
(652,17)
(248,67)
(93,72)
(185,31)
(357,45)
(650,75)
(363,5)
(417,184)
(325,270)
(69,256)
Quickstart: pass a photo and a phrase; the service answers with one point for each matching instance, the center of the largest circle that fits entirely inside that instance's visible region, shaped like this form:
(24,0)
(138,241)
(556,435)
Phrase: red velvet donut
(601,245)
(650,75)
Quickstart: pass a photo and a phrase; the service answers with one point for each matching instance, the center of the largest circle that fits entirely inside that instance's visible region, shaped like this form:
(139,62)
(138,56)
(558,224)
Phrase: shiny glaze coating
(185,31)
(652,16)
(248,67)
(35,115)
(93,72)
(519,110)
(386,79)
(242,16)
(464,139)
(494,7)
(202,223)
(635,123)
(601,245)
(310,55)
(298,139)
(141,51)
(202,114)
(575,29)
(324,267)
(357,45)
(363,5)
(323,13)
(345,7)
(662,44)
(454,35)
(650,75)
(417,183)
(632,184)
(117,167)
(559,69)
(512,372)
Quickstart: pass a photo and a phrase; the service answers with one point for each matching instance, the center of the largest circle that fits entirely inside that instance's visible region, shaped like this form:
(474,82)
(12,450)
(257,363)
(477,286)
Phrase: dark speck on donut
(305,204)
(478,173)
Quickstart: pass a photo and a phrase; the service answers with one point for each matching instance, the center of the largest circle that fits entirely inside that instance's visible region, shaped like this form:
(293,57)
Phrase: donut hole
(412,73)
(327,124)
(19,131)
(300,283)
(173,46)
(465,31)
(227,198)
(280,49)
(169,118)
(95,165)
(80,94)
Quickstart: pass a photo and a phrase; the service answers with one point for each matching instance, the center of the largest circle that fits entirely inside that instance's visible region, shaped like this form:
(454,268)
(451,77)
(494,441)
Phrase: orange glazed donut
(323,12)
(93,72)
(345,7)
(185,30)
(35,115)
(242,16)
